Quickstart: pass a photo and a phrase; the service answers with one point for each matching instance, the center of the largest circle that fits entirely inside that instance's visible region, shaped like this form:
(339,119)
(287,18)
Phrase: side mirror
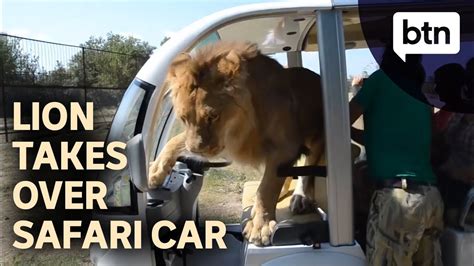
(137,163)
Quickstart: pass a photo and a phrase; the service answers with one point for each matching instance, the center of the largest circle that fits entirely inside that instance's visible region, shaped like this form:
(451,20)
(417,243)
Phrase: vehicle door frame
(333,73)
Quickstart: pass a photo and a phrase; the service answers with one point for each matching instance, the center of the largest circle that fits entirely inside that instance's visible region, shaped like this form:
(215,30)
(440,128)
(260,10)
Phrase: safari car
(326,237)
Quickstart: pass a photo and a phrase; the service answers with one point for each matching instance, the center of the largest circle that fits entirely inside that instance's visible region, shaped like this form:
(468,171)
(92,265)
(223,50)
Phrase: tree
(114,68)
(60,75)
(16,66)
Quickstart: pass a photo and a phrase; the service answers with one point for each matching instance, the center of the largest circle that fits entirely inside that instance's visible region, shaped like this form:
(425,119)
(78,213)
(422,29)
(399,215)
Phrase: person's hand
(357,81)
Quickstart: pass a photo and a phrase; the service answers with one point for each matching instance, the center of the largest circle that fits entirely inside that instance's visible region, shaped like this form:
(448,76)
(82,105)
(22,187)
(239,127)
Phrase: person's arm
(355,111)
(357,135)
(361,102)
(357,82)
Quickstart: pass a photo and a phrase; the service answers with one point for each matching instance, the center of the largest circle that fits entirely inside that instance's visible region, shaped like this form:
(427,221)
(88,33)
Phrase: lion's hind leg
(302,200)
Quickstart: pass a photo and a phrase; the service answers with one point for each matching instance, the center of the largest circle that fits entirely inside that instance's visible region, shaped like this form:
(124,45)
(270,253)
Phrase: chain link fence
(40,71)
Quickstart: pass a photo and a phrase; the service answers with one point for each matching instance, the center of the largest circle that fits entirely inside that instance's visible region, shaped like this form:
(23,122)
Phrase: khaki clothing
(404,226)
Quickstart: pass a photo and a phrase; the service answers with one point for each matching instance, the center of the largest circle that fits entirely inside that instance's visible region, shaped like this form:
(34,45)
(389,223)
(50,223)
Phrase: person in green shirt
(405,217)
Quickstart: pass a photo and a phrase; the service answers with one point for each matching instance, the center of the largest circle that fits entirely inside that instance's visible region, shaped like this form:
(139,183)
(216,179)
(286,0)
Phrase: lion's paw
(301,204)
(259,230)
(158,171)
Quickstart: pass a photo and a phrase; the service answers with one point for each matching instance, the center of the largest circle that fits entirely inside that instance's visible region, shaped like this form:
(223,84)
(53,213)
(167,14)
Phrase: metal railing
(42,71)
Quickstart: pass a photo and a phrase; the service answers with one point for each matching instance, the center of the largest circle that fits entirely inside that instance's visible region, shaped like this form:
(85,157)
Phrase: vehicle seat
(291,229)
(295,229)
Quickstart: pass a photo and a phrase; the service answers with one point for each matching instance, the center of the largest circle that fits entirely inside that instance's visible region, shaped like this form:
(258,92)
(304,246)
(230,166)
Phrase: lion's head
(209,95)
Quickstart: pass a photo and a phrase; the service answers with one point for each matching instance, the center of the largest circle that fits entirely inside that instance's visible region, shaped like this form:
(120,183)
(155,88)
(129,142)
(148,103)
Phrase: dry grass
(220,197)
(9,175)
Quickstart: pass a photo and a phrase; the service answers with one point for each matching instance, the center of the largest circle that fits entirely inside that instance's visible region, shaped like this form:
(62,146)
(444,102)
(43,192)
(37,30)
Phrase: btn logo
(426,33)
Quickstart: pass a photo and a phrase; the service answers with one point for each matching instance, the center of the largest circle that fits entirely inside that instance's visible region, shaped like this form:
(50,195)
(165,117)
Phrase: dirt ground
(220,197)
(9,214)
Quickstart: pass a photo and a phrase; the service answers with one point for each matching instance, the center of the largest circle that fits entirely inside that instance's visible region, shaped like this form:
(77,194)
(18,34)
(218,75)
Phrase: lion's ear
(179,64)
(229,64)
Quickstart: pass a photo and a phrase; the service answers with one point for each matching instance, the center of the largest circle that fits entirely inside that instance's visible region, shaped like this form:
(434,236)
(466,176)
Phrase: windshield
(127,123)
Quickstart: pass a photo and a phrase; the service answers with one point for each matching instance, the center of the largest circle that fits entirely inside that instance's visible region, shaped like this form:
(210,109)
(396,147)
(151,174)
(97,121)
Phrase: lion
(239,104)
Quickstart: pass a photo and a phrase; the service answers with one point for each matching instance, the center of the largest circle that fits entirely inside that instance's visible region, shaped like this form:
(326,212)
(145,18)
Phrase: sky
(74,21)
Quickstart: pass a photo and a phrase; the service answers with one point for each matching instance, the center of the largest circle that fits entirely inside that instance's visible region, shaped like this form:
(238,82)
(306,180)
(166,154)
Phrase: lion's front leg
(260,227)
(162,166)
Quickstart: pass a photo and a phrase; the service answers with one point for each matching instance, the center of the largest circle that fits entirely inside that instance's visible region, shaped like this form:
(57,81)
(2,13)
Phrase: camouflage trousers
(404,226)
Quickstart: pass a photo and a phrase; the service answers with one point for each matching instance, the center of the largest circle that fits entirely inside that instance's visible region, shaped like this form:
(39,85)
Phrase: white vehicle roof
(187,37)
(275,27)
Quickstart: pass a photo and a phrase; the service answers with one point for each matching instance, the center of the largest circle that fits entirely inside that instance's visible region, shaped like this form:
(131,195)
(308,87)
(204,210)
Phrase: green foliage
(110,62)
(16,66)
(105,69)
(60,75)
